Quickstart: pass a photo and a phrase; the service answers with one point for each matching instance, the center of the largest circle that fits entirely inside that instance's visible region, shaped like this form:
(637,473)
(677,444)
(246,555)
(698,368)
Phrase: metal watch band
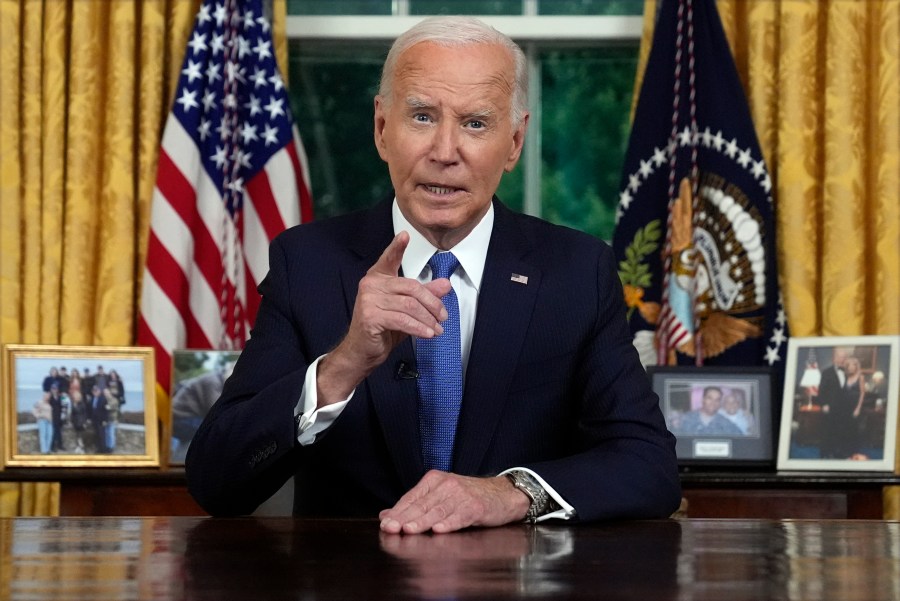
(540,500)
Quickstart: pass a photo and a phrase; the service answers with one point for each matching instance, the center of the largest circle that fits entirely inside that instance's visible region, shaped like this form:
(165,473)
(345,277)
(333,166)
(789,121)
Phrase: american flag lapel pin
(519,279)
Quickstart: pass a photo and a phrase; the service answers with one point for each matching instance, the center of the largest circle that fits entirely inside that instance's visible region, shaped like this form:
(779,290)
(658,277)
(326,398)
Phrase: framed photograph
(197,380)
(79,406)
(719,415)
(839,410)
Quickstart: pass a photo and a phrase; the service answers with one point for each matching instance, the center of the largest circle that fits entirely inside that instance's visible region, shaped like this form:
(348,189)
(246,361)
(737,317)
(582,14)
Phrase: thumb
(389,261)
(439,287)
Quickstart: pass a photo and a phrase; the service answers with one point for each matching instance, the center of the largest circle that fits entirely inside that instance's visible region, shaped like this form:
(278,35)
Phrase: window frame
(521,28)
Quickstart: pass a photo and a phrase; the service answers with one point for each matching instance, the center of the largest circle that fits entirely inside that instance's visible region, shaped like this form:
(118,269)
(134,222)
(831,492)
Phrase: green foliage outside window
(339,7)
(586,101)
(465,7)
(332,90)
(590,7)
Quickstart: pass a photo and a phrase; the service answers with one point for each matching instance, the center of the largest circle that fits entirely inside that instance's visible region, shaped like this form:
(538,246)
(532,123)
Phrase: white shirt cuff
(565,511)
(312,421)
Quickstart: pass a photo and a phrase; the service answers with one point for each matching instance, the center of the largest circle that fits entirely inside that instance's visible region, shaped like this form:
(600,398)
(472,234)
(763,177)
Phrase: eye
(476,124)
(421,118)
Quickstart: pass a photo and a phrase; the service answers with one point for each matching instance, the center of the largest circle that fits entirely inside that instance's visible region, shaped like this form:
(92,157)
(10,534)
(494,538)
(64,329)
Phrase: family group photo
(66,407)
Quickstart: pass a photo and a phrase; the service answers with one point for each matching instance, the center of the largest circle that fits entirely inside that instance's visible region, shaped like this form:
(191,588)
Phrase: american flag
(232,174)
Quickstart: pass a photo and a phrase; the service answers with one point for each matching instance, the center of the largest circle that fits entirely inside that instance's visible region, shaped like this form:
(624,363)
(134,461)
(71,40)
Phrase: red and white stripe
(197,256)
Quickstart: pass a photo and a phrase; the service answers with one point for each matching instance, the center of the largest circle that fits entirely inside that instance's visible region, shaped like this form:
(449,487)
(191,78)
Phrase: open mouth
(440,190)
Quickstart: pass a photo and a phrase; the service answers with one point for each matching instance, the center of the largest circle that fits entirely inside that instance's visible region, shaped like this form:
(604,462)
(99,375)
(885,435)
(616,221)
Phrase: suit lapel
(505,305)
(393,397)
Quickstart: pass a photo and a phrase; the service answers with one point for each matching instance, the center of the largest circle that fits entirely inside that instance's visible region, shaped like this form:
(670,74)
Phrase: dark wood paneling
(126,500)
(770,504)
(786,495)
(710,494)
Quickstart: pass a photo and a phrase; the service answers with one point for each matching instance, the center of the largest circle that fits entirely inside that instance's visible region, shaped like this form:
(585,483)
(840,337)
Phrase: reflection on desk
(284,558)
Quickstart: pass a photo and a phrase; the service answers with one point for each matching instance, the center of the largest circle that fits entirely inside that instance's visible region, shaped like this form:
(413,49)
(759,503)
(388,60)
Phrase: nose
(445,142)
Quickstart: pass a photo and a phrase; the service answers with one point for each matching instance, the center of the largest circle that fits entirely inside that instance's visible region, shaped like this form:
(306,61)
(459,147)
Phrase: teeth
(439,190)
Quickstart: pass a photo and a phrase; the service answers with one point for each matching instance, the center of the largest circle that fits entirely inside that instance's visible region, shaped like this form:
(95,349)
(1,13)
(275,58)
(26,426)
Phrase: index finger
(389,261)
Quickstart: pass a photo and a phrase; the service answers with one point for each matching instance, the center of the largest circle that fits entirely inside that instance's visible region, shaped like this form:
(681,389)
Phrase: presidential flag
(695,229)
(232,174)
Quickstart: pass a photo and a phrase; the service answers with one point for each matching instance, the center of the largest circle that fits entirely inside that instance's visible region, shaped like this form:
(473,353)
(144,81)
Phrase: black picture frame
(745,437)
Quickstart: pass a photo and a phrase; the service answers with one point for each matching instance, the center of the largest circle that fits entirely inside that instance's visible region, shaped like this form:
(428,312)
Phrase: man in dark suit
(557,418)
(99,415)
(836,418)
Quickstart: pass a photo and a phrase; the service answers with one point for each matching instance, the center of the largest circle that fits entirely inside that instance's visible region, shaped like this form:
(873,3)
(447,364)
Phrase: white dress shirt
(466,282)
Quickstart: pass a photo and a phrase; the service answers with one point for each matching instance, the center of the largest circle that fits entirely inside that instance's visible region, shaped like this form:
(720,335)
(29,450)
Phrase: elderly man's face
(730,404)
(840,356)
(447,135)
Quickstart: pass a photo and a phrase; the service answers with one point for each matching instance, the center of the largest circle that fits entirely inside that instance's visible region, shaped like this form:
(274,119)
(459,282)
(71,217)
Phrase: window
(582,59)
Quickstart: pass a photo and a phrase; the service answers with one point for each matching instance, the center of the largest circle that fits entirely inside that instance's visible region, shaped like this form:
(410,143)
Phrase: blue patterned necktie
(439,363)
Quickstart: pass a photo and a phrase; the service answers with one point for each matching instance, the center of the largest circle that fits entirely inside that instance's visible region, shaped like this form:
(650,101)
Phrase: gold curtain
(84,93)
(823,83)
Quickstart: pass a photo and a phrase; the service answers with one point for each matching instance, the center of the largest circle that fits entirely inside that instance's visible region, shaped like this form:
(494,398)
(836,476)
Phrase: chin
(441,228)
(440,221)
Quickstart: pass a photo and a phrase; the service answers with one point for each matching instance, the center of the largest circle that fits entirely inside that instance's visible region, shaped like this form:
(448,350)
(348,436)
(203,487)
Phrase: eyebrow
(483,114)
(415,102)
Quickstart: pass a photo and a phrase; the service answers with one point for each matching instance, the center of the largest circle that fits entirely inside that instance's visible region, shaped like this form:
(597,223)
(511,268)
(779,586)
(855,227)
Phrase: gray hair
(453,31)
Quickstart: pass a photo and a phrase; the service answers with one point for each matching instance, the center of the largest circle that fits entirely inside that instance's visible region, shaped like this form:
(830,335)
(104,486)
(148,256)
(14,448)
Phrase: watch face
(539,497)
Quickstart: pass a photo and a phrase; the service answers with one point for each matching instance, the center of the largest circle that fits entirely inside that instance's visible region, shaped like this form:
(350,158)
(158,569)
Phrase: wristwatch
(540,500)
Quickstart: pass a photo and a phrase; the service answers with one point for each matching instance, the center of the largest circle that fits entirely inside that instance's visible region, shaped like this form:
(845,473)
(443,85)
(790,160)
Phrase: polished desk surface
(313,560)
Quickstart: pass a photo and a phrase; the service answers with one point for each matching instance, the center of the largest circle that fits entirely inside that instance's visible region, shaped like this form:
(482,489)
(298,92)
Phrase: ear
(518,141)
(380,121)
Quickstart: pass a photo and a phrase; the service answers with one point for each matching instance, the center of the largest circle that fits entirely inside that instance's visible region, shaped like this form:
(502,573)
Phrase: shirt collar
(471,250)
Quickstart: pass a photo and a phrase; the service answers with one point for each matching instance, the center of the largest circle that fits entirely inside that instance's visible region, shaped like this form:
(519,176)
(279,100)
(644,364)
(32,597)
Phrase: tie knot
(442,265)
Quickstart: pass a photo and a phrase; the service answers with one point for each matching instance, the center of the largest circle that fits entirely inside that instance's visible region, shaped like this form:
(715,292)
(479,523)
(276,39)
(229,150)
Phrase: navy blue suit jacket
(553,383)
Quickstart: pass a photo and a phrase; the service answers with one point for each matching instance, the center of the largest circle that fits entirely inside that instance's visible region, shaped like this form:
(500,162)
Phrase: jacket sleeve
(245,450)
(627,467)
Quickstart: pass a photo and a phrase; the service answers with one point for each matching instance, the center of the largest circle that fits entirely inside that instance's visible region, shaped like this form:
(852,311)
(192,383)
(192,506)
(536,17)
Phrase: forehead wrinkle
(501,81)
(419,81)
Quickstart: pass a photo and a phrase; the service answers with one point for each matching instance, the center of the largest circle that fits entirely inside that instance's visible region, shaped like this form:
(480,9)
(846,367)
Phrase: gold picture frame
(107,419)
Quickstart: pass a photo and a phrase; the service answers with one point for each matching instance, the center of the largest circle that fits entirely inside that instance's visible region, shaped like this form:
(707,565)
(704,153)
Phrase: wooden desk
(285,558)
